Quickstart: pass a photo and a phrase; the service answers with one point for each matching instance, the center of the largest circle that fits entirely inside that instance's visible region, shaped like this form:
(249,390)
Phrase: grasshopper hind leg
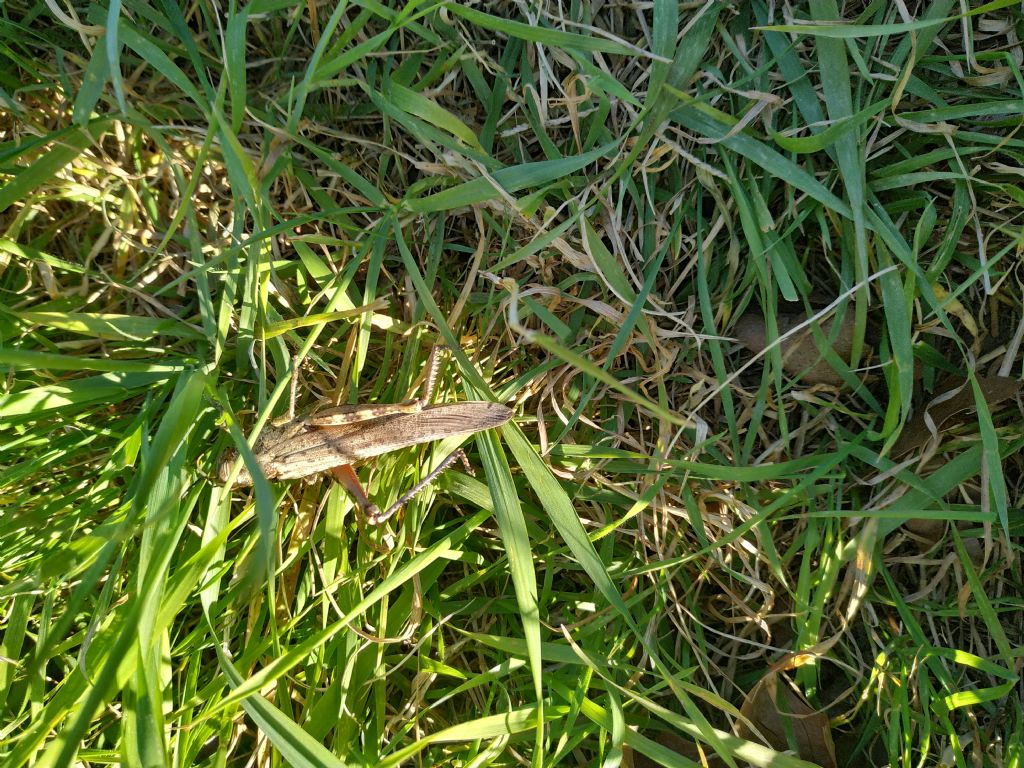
(372,513)
(376,517)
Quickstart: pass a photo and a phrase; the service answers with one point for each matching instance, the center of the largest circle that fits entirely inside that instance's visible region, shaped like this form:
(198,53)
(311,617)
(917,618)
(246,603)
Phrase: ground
(749,275)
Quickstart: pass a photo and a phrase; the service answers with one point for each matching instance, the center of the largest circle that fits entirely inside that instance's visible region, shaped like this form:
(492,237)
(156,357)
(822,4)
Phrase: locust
(336,439)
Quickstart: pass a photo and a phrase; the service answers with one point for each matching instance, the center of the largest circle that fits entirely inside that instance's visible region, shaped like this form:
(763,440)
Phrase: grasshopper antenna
(294,394)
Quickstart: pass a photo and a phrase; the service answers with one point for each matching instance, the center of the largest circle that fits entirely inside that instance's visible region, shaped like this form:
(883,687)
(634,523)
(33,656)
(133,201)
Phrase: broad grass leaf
(110,326)
(509,180)
(418,105)
(535,33)
(686,748)
(296,746)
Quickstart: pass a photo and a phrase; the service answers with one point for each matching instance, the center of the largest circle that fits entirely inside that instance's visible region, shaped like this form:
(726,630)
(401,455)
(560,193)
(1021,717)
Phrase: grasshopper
(336,439)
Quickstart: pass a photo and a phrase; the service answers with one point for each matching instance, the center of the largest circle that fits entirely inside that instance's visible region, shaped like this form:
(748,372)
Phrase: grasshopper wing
(391,433)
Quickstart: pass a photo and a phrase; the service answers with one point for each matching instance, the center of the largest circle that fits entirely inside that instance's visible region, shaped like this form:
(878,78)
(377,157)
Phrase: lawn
(748,274)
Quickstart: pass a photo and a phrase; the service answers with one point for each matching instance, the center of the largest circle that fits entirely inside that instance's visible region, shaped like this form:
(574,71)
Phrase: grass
(582,201)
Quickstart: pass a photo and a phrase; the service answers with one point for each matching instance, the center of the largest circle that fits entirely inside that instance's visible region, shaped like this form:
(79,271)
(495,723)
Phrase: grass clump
(686,550)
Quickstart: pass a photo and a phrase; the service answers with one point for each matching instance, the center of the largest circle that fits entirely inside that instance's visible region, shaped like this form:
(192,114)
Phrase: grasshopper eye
(224,470)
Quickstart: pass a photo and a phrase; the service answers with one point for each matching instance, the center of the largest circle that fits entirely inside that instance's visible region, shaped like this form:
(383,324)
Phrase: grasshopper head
(224,470)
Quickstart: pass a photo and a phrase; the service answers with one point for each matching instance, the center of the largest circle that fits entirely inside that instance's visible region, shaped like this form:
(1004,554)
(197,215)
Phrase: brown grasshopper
(335,439)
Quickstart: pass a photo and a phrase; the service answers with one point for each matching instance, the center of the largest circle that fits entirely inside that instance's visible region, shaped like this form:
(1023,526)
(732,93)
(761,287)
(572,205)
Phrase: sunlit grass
(582,204)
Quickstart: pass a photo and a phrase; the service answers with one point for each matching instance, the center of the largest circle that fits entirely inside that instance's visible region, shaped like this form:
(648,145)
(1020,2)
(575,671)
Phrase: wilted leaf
(787,722)
(951,406)
(952,306)
(928,529)
(800,355)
